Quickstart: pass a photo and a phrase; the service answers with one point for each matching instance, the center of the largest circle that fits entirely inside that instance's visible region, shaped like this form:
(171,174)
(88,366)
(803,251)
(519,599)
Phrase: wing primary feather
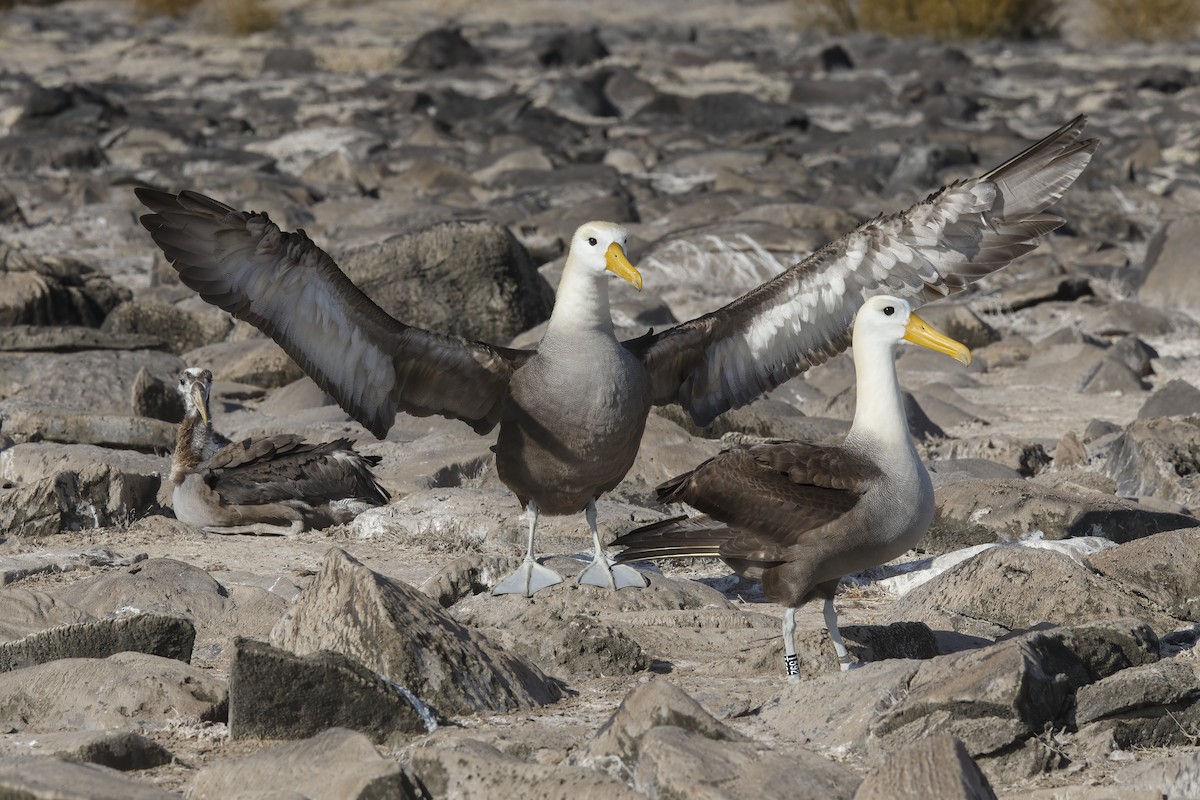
(290,289)
(802,317)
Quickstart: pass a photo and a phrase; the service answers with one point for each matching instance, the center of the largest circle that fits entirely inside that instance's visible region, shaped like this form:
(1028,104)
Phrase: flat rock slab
(1164,568)
(167,586)
(21,565)
(274,694)
(406,637)
(994,699)
(33,778)
(1007,589)
(336,764)
(154,634)
(34,422)
(91,693)
(1001,510)
(68,380)
(677,763)
(121,750)
(470,768)
(68,338)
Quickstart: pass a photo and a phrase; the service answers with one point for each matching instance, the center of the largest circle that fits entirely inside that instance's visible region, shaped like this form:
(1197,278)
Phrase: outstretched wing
(291,290)
(803,316)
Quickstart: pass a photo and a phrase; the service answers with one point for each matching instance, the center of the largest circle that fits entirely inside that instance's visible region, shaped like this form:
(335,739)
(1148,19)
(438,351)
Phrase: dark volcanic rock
(472,279)
(1156,457)
(156,398)
(181,329)
(994,699)
(274,694)
(407,638)
(470,768)
(53,290)
(122,750)
(154,634)
(1177,398)
(441,48)
(572,48)
(1000,510)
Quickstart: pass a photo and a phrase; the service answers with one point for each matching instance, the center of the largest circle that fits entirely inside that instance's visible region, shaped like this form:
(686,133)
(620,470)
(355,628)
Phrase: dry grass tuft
(163,8)
(1147,20)
(245,17)
(235,17)
(936,19)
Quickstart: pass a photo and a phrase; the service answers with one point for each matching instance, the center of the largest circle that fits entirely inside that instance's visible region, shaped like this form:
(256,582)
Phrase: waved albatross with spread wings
(798,516)
(272,484)
(572,412)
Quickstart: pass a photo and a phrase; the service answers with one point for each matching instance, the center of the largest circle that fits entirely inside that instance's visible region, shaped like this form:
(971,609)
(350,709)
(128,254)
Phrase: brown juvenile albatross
(798,516)
(572,412)
(273,484)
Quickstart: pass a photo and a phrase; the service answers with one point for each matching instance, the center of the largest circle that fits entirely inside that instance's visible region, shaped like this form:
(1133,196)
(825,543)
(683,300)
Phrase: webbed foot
(605,574)
(526,579)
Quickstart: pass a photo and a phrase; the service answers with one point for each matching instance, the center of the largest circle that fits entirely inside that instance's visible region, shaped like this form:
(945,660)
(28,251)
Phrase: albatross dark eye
(889,310)
(592,241)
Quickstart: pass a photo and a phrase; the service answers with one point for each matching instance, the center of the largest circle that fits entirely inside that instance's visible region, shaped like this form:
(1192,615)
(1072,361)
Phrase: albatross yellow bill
(198,400)
(918,331)
(617,263)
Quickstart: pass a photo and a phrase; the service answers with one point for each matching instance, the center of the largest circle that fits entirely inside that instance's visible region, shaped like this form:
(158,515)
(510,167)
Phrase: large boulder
(406,637)
(472,279)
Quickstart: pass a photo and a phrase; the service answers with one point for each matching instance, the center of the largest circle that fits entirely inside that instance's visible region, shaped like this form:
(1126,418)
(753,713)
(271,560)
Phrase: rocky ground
(1041,641)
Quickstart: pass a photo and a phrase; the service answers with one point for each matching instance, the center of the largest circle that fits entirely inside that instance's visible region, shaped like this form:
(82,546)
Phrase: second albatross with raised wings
(572,412)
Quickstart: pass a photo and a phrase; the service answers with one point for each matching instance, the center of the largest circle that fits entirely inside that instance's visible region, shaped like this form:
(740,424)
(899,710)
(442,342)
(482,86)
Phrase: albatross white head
(597,249)
(879,327)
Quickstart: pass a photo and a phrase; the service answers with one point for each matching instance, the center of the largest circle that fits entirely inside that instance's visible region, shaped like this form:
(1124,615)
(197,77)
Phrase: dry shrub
(1147,20)
(936,19)
(244,17)
(164,8)
(237,17)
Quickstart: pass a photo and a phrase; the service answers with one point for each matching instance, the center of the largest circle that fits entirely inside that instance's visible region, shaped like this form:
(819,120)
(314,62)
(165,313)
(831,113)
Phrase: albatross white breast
(571,413)
(273,484)
(798,516)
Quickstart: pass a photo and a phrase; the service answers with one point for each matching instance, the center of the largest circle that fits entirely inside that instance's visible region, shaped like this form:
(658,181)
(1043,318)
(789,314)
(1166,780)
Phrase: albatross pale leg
(530,576)
(602,572)
(791,664)
(838,645)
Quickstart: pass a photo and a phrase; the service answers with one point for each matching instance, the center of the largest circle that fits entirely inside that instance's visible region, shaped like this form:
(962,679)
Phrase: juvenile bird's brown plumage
(572,412)
(269,484)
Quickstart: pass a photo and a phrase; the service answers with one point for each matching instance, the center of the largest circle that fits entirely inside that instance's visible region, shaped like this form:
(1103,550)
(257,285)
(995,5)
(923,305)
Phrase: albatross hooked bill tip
(918,331)
(618,263)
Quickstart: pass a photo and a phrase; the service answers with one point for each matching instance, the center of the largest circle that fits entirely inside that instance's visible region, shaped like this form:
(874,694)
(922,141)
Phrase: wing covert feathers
(803,316)
(290,289)
(756,501)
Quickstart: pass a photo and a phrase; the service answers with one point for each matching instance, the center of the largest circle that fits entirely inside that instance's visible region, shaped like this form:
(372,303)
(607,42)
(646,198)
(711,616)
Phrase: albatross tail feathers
(678,537)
